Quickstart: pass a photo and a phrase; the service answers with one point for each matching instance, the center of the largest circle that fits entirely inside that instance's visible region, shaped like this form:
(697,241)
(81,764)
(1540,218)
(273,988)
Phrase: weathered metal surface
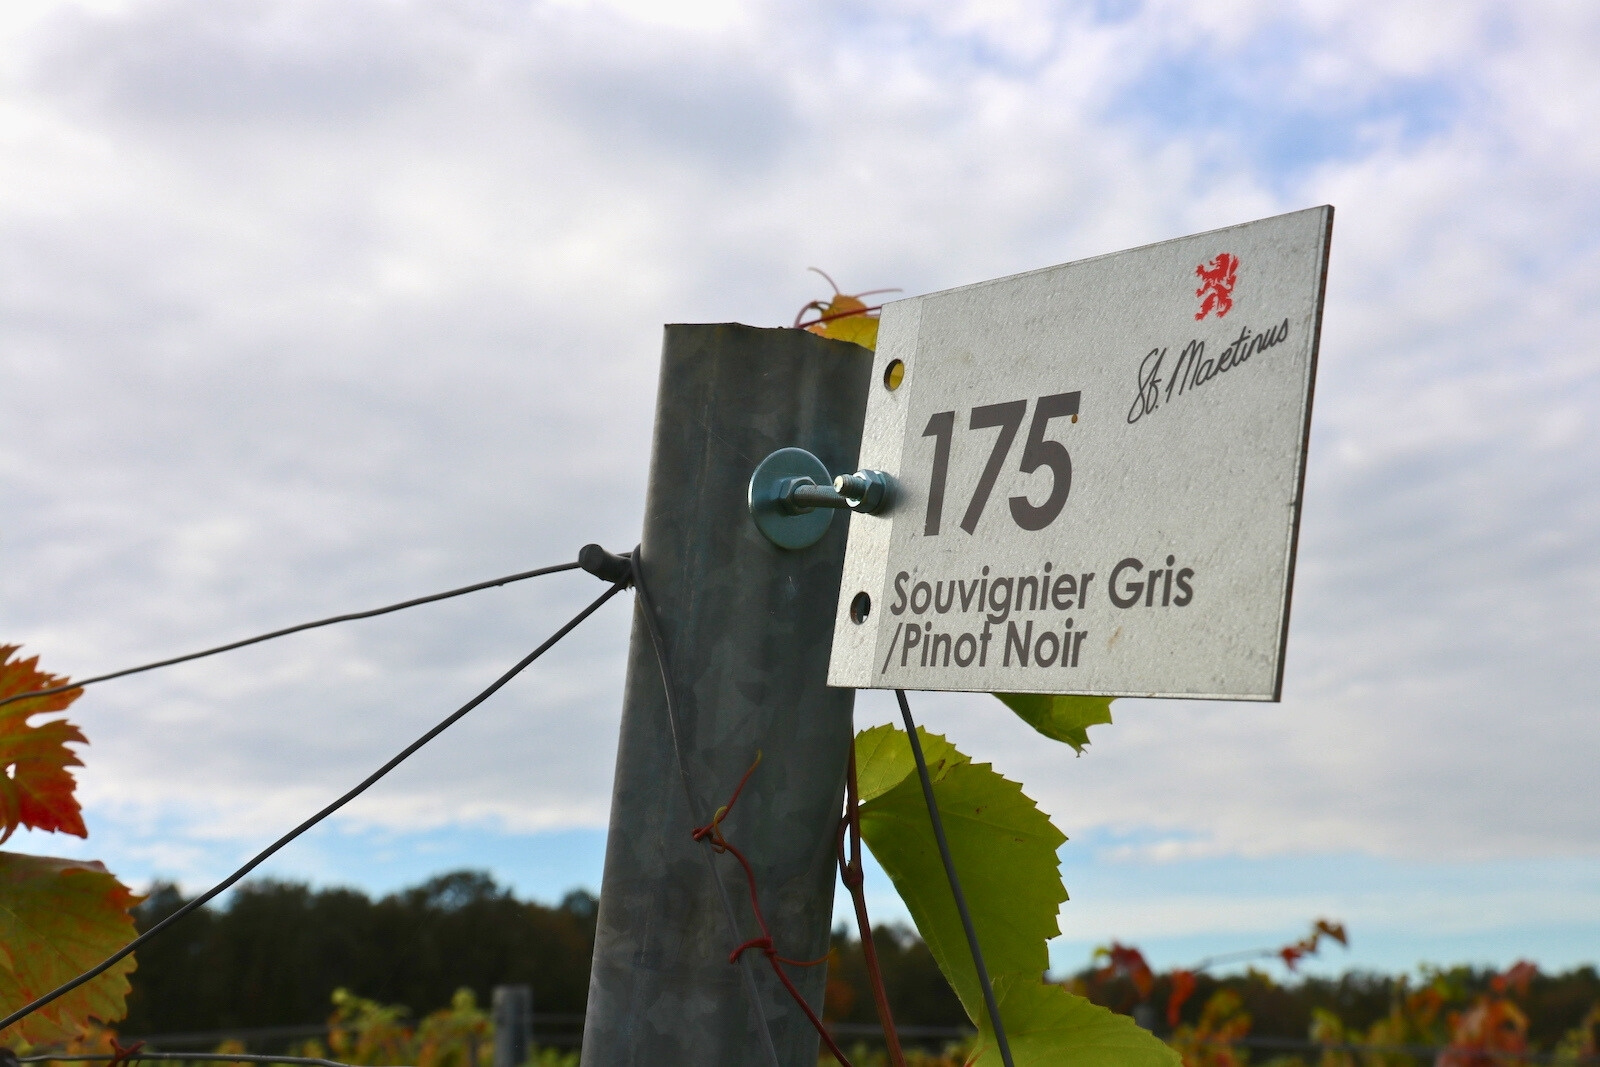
(747,625)
(1099,468)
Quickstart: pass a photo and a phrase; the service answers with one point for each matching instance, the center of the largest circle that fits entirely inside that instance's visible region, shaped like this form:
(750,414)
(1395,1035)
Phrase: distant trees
(918,993)
(277,952)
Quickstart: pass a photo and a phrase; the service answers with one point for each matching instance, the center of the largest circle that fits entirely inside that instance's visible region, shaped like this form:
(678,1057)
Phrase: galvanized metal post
(512,1012)
(747,627)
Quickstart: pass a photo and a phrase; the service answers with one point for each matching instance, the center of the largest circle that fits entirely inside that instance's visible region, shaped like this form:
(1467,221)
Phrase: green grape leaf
(1063,718)
(58,918)
(1047,1025)
(1003,846)
(884,760)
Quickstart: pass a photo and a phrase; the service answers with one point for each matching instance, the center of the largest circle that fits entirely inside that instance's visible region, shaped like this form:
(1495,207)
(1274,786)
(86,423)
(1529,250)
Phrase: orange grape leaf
(1492,1024)
(36,789)
(58,918)
(845,317)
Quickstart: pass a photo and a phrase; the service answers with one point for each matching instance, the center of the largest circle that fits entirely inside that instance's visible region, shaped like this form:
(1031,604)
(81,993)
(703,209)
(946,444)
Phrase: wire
(202,1057)
(647,606)
(262,856)
(286,631)
(955,883)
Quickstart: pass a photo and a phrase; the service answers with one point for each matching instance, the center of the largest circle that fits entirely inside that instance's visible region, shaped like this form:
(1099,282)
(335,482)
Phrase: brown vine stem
(851,874)
(121,1054)
(829,318)
(712,832)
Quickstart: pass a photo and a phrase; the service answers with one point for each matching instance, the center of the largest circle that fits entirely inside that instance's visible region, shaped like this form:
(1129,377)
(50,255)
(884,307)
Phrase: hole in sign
(860,608)
(894,374)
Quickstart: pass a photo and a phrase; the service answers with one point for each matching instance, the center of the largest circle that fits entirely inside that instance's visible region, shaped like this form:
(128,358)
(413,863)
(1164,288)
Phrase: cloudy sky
(308,306)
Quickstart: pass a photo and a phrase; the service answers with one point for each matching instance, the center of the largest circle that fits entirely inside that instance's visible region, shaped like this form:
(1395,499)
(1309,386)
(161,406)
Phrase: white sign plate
(1097,470)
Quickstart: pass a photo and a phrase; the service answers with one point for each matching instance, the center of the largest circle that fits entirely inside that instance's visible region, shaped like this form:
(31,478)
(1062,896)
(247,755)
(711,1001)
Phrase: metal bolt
(866,490)
(799,495)
(788,488)
(863,491)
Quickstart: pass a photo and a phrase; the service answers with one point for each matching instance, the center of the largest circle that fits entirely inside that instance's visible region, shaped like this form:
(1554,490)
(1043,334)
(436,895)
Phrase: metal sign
(1096,474)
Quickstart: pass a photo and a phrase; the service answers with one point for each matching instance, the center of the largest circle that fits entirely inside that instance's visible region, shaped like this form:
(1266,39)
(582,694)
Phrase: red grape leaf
(36,789)
(1125,961)
(1182,989)
(58,918)
(1292,954)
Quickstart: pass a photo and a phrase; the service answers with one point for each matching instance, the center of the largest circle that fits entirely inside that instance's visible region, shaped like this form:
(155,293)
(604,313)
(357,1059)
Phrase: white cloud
(309,307)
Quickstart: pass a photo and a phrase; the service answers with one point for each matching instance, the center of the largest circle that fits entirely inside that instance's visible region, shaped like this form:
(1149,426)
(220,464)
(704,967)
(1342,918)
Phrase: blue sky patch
(1249,100)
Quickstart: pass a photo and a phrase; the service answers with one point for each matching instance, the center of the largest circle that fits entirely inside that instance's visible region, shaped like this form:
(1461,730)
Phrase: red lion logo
(1217,279)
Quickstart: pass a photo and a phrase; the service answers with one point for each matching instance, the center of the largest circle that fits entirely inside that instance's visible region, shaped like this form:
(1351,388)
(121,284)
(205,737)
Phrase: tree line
(276,952)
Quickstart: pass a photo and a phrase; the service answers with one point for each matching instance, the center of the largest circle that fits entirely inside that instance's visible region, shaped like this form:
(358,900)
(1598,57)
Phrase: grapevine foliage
(1047,1024)
(58,917)
(1062,718)
(36,789)
(1005,849)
